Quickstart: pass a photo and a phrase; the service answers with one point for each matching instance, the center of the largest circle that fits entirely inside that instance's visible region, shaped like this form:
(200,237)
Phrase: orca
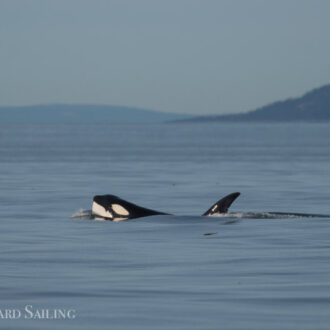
(111,207)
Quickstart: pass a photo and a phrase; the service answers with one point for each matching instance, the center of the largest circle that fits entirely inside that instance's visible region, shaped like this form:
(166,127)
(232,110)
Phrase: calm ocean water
(162,272)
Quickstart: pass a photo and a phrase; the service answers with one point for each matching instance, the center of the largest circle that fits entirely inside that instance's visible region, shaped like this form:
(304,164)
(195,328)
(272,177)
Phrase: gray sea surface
(163,272)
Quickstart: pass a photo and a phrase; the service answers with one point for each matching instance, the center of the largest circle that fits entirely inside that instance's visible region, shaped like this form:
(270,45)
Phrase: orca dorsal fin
(223,204)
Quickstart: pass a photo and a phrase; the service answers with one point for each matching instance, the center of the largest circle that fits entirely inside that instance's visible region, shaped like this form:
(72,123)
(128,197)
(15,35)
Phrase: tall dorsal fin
(223,204)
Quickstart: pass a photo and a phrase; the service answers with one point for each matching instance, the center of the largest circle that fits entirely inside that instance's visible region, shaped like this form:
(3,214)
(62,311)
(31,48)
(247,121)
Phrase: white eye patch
(119,209)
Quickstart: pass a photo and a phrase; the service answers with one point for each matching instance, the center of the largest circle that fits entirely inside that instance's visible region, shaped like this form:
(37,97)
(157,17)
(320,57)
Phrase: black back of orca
(111,207)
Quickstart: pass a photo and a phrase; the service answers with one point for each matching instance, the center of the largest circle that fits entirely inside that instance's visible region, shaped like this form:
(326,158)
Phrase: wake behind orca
(111,207)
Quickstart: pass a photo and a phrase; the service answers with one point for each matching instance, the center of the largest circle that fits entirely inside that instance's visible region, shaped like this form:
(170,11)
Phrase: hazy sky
(171,55)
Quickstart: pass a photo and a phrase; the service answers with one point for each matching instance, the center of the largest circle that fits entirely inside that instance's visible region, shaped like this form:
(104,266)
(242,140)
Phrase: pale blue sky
(182,56)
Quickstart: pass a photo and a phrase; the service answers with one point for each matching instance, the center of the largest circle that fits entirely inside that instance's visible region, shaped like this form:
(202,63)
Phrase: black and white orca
(110,207)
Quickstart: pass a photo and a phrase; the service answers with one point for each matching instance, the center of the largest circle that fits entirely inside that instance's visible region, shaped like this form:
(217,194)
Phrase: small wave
(82,214)
(87,214)
(268,215)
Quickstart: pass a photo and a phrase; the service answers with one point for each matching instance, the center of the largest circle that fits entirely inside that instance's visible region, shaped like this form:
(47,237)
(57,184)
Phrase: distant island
(312,106)
(83,114)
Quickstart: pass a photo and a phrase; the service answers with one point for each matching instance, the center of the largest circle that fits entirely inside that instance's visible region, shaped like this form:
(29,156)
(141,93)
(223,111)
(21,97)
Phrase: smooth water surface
(163,272)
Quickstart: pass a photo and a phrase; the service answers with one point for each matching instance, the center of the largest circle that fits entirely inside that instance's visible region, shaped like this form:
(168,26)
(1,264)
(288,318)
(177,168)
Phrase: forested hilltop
(312,106)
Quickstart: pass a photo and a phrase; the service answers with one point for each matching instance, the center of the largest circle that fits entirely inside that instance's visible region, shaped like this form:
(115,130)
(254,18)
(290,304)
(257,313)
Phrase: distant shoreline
(313,106)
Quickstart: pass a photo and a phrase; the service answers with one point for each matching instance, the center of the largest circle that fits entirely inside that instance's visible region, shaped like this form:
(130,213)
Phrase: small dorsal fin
(223,204)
